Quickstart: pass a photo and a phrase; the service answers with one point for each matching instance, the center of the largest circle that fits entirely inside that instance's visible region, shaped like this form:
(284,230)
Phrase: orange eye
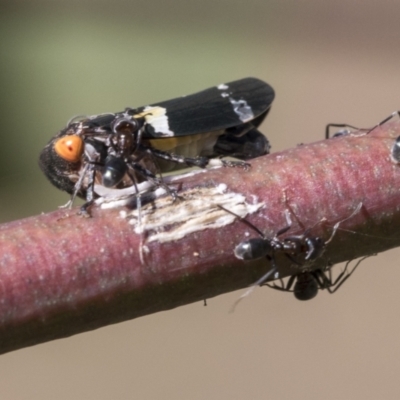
(70,148)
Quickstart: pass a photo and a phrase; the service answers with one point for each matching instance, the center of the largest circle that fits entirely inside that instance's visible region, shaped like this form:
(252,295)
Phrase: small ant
(302,250)
(347,129)
(395,150)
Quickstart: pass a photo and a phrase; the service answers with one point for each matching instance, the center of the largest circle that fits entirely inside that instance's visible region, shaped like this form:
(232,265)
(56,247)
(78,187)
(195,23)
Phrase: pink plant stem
(61,274)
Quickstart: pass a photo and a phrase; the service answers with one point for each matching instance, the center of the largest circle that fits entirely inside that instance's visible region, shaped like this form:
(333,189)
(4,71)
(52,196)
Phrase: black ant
(308,283)
(302,250)
(347,129)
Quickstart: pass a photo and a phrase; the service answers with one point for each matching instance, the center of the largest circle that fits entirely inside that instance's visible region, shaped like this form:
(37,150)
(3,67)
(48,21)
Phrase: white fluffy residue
(222,86)
(177,177)
(197,209)
(221,187)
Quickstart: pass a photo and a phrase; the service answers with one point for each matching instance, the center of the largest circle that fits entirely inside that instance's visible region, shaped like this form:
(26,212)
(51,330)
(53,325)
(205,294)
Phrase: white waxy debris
(222,86)
(197,209)
(177,177)
(221,187)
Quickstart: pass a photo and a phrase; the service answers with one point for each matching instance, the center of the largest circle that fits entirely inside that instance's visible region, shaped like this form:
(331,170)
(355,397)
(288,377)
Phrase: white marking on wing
(157,117)
(242,109)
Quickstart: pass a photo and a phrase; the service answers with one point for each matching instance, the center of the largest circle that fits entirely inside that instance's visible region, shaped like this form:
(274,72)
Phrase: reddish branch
(62,274)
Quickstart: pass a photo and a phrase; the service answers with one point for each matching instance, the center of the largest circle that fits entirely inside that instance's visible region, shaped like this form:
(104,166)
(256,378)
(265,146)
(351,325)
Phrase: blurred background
(330,61)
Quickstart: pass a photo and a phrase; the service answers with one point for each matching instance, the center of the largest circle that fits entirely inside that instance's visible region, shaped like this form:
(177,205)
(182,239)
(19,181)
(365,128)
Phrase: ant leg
(77,187)
(289,211)
(242,219)
(199,161)
(341,132)
(254,285)
(140,228)
(289,224)
(290,282)
(84,210)
(292,239)
(152,178)
(265,276)
(283,288)
(325,282)
(139,137)
(392,115)
(339,282)
(322,280)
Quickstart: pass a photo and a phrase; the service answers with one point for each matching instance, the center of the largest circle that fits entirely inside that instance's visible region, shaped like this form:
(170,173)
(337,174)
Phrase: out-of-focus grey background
(329,61)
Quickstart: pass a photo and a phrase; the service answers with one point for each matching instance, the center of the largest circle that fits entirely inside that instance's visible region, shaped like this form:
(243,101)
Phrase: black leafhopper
(117,150)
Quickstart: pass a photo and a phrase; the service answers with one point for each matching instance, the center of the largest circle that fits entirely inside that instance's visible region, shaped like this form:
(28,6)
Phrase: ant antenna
(336,226)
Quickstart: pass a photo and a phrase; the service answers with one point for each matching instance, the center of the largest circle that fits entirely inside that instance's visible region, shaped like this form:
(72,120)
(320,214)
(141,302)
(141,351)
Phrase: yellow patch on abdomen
(192,146)
(188,146)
